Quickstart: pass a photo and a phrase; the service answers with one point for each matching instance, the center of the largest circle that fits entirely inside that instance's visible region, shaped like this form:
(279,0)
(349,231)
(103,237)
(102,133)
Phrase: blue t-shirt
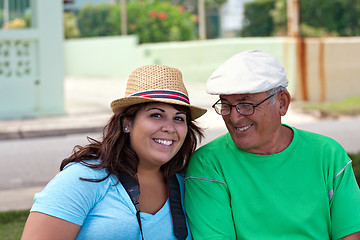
(103,209)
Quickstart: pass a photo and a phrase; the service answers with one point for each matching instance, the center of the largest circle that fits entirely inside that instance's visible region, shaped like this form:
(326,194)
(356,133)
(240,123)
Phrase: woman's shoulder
(78,178)
(85,169)
(81,174)
(73,192)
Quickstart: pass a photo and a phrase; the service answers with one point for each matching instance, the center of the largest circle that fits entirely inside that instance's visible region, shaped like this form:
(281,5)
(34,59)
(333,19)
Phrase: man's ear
(284,99)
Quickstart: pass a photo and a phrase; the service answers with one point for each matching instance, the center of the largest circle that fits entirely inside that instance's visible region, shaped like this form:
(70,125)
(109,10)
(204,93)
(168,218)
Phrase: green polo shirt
(307,191)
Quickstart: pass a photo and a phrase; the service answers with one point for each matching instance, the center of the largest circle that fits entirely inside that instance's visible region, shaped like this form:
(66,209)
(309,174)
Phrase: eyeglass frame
(231,106)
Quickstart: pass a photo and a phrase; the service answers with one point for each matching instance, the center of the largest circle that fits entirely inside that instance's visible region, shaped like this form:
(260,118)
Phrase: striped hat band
(165,94)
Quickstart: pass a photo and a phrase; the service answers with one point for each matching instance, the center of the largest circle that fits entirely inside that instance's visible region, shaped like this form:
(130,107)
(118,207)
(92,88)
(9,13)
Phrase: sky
(232,15)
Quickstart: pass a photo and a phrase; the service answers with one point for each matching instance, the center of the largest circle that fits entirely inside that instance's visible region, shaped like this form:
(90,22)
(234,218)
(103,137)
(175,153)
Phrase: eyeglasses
(245,109)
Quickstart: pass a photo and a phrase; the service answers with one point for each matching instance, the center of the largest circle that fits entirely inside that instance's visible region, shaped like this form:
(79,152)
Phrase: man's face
(255,133)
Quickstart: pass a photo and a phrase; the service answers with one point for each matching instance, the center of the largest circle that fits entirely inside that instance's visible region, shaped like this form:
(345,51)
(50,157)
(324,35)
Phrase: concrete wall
(103,56)
(118,56)
(197,57)
(330,66)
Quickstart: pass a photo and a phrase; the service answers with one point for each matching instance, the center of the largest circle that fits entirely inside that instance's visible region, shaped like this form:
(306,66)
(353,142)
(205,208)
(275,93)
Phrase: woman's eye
(156,115)
(181,119)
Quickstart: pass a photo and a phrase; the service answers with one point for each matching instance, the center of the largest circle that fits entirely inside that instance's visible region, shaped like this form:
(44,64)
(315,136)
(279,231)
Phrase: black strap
(177,213)
(133,191)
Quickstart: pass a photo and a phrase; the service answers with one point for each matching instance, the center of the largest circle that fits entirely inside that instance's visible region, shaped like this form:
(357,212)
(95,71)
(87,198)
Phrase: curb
(52,126)
(23,134)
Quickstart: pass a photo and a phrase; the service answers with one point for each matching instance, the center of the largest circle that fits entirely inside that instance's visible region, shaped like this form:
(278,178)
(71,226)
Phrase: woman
(147,142)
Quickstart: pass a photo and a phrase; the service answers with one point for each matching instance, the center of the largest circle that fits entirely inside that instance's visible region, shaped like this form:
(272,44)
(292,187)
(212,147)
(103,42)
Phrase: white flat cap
(251,71)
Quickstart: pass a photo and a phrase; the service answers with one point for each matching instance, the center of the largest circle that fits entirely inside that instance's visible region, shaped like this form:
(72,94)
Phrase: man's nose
(235,115)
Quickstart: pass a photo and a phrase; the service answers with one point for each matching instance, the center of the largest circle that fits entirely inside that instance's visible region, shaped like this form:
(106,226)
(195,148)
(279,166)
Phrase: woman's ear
(284,100)
(126,125)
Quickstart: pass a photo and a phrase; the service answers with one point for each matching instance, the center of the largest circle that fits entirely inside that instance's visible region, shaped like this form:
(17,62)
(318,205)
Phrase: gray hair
(275,91)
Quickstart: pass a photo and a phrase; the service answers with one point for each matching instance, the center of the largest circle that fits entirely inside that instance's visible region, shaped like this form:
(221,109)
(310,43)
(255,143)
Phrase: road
(33,162)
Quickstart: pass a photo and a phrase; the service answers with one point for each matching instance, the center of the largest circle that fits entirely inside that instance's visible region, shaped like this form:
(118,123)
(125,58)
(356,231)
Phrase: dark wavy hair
(116,154)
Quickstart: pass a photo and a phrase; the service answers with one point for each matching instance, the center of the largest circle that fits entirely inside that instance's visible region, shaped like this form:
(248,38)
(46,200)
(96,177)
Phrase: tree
(257,18)
(321,17)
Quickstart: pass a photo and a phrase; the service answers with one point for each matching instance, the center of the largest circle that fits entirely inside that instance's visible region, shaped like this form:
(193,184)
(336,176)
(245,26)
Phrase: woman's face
(157,133)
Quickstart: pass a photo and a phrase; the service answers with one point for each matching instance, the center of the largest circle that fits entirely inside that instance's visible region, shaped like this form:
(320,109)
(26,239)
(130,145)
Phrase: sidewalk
(87,102)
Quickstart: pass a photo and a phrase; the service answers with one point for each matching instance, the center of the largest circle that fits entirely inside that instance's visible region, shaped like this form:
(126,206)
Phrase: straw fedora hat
(156,83)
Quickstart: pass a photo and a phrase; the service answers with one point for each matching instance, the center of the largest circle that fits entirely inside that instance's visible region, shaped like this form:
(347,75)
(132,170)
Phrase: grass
(12,224)
(347,107)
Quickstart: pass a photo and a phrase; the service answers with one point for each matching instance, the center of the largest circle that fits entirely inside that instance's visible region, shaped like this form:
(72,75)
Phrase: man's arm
(208,208)
(345,202)
(207,204)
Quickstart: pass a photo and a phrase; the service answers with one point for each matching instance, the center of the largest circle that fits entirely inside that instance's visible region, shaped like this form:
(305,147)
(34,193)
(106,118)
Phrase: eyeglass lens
(242,108)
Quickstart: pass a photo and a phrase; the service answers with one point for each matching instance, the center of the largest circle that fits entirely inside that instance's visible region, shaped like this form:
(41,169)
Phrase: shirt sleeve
(67,196)
(345,201)
(207,202)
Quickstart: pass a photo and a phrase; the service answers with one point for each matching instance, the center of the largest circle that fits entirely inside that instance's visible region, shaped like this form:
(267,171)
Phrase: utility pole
(293,18)
(202,19)
(293,21)
(123,17)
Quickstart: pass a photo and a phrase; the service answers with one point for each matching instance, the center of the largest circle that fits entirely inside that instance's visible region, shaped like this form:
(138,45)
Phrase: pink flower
(153,14)
(162,16)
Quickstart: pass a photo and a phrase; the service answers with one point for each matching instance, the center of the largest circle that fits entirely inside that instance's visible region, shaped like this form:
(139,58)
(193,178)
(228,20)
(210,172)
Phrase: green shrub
(337,16)
(257,18)
(70,25)
(93,21)
(321,18)
(154,21)
(160,21)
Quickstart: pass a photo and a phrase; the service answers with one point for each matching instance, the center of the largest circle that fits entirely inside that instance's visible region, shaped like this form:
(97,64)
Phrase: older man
(264,179)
